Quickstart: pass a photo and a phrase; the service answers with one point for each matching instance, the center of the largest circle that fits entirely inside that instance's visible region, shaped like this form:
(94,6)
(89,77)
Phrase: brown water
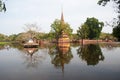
(50,62)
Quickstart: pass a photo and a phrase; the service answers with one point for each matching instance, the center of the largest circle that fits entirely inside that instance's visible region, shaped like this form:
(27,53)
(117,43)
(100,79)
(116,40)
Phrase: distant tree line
(91,29)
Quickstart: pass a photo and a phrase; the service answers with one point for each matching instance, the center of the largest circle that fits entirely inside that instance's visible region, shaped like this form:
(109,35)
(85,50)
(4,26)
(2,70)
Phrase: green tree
(94,27)
(57,28)
(105,36)
(116,32)
(83,31)
(12,37)
(3,37)
(91,29)
(2,6)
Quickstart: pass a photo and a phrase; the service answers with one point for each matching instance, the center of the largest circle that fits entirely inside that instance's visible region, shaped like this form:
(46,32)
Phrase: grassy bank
(4,43)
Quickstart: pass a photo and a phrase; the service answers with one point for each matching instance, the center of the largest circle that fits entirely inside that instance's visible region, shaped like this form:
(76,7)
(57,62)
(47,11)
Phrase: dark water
(50,62)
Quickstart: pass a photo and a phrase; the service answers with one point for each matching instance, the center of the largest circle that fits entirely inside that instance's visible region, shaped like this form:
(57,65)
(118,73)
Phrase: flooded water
(62,62)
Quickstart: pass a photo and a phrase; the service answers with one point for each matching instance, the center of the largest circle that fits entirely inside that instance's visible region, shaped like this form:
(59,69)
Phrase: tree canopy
(3,37)
(83,31)
(90,29)
(56,29)
(116,32)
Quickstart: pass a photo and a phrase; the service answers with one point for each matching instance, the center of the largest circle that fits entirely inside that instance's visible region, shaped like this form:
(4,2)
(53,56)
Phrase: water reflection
(110,46)
(30,51)
(56,62)
(61,55)
(4,47)
(91,53)
(31,59)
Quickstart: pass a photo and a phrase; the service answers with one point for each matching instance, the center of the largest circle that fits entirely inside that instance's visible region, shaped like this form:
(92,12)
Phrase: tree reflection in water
(91,53)
(31,59)
(61,55)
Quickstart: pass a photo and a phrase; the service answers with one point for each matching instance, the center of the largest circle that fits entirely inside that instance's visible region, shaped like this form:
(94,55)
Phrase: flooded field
(61,62)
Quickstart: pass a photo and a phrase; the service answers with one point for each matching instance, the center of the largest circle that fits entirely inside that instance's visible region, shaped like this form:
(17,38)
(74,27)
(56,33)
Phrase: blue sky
(44,12)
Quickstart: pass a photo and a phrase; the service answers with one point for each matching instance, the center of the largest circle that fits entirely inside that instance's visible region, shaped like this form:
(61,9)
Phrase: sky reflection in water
(75,62)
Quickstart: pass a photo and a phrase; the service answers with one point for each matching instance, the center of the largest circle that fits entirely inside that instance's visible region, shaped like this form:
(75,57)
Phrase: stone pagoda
(63,38)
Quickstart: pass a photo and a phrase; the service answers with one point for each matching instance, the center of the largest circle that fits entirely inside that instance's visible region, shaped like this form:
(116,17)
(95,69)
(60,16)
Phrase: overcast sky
(44,12)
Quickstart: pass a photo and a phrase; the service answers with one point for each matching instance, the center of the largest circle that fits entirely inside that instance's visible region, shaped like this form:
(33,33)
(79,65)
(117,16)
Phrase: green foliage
(74,36)
(104,36)
(3,37)
(116,32)
(83,31)
(12,37)
(23,36)
(42,36)
(95,27)
(4,43)
(56,29)
(91,29)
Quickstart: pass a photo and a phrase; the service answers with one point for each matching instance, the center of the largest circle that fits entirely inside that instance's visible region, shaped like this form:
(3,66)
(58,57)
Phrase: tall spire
(62,19)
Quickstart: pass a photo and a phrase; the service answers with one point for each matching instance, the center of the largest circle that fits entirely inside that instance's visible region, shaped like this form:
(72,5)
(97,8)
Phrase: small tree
(116,32)
(3,37)
(83,31)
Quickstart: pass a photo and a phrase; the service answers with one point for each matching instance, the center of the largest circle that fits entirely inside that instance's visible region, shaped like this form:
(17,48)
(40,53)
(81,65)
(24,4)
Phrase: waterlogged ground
(51,62)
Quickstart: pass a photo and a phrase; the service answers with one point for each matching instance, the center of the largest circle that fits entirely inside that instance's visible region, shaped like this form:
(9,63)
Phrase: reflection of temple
(31,51)
(61,55)
(63,38)
(31,59)
(64,47)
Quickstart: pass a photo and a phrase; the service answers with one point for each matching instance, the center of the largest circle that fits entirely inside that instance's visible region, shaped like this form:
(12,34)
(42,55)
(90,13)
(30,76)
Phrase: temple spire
(62,17)
(62,20)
